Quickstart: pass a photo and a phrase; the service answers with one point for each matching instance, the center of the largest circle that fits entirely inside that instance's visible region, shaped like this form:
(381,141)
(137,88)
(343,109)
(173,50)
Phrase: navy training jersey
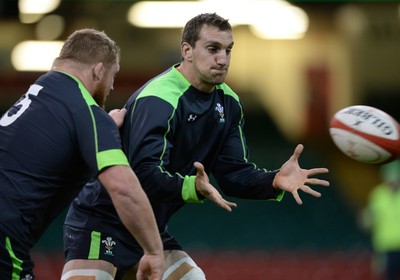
(170,125)
(52,141)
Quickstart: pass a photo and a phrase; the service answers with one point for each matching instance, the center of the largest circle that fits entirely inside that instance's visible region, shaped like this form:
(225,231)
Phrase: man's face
(105,85)
(211,57)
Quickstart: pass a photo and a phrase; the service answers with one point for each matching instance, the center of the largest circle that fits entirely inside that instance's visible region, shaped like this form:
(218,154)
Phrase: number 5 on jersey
(19,108)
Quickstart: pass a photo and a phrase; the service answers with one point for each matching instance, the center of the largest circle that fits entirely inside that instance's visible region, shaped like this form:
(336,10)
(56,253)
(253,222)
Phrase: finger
(316,171)
(310,191)
(225,206)
(221,202)
(231,204)
(123,111)
(297,197)
(314,181)
(298,151)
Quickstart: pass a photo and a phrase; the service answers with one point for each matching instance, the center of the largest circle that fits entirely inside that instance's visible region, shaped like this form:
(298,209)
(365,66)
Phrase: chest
(202,120)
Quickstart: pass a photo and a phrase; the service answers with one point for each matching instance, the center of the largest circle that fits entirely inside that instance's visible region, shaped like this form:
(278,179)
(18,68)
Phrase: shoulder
(169,86)
(62,93)
(228,91)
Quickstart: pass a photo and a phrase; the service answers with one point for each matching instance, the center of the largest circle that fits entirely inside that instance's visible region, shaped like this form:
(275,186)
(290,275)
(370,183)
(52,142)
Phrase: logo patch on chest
(220,109)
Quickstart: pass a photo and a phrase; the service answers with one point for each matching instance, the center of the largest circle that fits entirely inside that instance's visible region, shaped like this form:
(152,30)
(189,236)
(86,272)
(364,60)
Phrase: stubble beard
(100,95)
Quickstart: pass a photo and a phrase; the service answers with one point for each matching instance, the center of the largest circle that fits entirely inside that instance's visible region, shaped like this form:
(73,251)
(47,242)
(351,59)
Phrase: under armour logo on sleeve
(192,118)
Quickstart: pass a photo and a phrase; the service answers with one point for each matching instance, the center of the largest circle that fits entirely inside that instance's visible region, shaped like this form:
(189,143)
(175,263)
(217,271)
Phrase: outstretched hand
(118,116)
(291,177)
(207,190)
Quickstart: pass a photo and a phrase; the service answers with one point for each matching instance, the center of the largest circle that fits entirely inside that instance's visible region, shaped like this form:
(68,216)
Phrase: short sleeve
(98,139)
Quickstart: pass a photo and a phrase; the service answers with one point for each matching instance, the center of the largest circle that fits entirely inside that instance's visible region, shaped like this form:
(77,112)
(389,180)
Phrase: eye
(212,49)
(229,51)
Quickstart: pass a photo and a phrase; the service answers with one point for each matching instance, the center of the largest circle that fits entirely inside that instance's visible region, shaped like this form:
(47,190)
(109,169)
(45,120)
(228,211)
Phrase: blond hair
(89,46)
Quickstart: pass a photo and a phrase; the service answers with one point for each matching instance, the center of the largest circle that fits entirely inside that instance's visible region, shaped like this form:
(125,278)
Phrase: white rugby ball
(366,134)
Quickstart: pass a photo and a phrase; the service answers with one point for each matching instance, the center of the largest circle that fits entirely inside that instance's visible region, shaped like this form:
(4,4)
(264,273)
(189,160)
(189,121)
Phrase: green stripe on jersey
(16,262)
(85,93)
(90,102)
(110,158)
(172,82)
(228,91)
(95,242)
(175,84)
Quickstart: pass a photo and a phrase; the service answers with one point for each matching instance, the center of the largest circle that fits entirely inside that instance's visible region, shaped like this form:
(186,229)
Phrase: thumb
(198,166)
(123,111)
(297,152)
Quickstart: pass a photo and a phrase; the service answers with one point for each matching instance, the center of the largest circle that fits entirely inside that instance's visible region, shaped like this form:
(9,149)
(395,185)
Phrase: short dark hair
(191,31)
(90,46)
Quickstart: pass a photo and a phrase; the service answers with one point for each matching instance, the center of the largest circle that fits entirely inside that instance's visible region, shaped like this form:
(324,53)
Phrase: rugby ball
(366,134)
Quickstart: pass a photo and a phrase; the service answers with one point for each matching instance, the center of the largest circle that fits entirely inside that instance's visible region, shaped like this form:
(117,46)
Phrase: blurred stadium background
(346,54)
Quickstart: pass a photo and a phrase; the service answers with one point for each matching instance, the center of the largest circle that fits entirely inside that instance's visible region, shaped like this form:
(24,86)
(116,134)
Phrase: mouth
(220,70)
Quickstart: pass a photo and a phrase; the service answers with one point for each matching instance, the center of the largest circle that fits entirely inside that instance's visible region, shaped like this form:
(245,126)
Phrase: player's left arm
(234,171)
(238,176)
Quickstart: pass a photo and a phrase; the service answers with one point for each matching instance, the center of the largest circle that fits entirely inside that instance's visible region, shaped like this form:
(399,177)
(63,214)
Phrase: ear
(186,51)
(98,71)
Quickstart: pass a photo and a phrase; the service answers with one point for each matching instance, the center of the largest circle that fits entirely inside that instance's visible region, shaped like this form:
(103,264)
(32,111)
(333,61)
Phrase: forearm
(246,182)
(160,185)
(133,207)
(143,226)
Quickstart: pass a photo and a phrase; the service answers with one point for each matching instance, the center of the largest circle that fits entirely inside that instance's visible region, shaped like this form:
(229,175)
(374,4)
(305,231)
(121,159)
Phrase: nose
(222,59)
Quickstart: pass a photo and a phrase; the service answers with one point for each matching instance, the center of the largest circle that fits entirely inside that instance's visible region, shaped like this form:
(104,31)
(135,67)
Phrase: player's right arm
(148,137)
(149,133)
(131,203)
(128,197)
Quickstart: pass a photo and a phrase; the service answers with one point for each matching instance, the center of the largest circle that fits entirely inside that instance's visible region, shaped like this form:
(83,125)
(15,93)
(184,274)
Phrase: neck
(193,80)
(81,71)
